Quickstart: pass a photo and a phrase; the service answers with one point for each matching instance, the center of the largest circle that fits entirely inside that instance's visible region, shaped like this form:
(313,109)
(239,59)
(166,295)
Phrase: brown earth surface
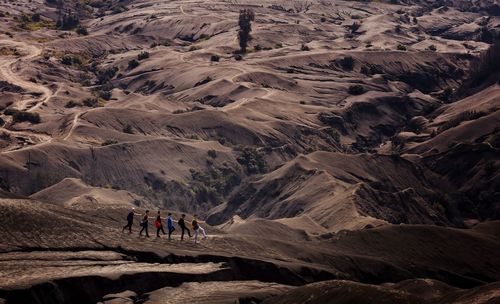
(349,156)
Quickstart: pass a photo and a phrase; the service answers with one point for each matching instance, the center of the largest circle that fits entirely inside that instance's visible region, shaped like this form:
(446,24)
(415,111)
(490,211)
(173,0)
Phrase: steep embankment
(341,191)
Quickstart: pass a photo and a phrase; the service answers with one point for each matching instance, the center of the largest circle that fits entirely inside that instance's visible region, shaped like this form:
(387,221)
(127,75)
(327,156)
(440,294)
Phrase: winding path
(8,74)
(73,126)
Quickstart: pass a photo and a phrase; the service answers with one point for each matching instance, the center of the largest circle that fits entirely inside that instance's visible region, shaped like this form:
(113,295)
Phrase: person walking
(170,225)
(197,229)
(182,225)
(159,225)
(130,221)
(145,223)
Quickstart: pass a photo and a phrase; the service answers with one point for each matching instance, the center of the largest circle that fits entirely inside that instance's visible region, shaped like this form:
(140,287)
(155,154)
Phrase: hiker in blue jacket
(170,225)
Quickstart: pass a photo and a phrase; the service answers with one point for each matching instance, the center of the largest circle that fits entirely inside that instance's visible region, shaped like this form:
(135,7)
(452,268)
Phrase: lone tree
(245,23)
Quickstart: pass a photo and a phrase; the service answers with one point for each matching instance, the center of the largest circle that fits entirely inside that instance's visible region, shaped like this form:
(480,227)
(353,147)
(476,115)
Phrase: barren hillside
(341,130)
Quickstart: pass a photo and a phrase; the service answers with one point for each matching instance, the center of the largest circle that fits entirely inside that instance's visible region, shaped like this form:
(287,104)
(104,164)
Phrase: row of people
(197,229)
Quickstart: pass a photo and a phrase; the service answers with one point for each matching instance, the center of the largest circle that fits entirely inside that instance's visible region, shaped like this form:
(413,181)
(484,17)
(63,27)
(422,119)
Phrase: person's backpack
(130,216)
(144,221)
(157,224)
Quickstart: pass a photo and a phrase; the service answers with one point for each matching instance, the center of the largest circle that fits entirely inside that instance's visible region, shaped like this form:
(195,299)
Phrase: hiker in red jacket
(159,225)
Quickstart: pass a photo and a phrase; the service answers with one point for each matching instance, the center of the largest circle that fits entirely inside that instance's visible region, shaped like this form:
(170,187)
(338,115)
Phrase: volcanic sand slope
(461,144)
(281,149)
(374,254)
(463,258)
(340,191)
(73,193)
(281,98)
(216,292)
(412,291)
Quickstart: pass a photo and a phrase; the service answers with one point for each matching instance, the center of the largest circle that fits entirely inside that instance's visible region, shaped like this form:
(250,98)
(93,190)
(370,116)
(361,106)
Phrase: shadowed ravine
(91,288)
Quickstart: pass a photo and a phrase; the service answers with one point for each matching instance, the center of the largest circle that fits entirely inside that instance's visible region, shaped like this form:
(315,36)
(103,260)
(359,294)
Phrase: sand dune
(341,192)
(73,193)
(354,142)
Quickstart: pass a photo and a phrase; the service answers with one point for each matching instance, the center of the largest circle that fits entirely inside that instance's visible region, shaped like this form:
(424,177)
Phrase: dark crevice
(91,289)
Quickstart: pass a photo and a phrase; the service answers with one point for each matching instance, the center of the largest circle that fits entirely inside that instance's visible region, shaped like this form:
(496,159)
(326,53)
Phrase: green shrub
(68,21)
(103,76)
(35,17)
(401,47)
(356,89)
(106,95)
(252,160)
(81,30)
(447,93)
(90,102)
(108,142)
(212,153)
(128,129)
(347,63)
(143,55)
(214,183)
(23,116)
(67,60)
(71,104)
(354,27)
(371,69)
(132,64)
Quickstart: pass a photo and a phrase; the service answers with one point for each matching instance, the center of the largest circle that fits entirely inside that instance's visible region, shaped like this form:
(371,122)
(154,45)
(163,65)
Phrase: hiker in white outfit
(197,228)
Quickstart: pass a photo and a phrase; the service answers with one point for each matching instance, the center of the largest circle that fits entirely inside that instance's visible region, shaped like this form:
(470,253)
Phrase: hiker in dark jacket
(182,224)
(130,221)
(159,225)
(145,223)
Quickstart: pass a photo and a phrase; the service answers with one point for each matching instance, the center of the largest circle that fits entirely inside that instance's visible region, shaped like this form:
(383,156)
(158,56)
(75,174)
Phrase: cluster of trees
(21,116)
(68,21)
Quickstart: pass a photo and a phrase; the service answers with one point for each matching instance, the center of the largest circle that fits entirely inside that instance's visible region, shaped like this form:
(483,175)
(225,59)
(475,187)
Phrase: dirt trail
(74,124)
(8,74)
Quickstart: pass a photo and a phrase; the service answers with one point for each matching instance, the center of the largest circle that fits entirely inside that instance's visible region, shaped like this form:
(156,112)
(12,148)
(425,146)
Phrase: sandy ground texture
(347,130)
(60,250)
